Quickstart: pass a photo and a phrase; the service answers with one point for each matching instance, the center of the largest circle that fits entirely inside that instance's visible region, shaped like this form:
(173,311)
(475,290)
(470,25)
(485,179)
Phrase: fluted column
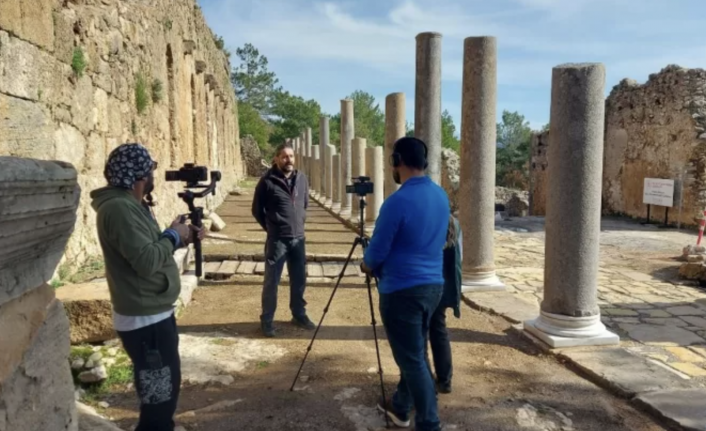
(323,142)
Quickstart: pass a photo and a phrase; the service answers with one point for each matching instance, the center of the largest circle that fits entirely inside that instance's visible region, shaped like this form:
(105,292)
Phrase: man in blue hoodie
(406,253)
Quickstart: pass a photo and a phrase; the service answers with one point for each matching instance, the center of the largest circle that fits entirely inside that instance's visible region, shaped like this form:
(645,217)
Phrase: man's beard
(288,167)
(149,187)
(396,177)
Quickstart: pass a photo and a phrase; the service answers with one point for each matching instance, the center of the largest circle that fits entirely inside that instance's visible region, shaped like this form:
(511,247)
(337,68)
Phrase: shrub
(142,97)
(78,62)
(157,91)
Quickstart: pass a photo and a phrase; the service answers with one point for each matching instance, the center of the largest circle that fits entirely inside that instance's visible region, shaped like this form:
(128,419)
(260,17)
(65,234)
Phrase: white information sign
(658,192)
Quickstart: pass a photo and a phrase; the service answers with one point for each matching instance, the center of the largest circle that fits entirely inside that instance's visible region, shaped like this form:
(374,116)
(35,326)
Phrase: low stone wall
(38,203)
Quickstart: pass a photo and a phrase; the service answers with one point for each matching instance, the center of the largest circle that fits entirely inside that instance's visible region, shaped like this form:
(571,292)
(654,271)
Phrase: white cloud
(326,49)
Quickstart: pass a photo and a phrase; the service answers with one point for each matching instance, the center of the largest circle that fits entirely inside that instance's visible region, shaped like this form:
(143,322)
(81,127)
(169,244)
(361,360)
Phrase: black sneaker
(400,420)
(443,388)
(304,322)
(267,329)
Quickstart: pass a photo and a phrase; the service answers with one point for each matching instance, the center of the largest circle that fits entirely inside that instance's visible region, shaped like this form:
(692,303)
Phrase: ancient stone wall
(652,130)
(538,173)
(78,78)
(38,201)
(656,130)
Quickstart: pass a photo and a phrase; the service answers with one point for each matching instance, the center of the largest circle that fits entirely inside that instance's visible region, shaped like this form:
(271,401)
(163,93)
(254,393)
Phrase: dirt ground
(501,382)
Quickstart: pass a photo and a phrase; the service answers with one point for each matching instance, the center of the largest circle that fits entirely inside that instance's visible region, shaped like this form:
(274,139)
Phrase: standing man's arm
(259,202)
(386,227)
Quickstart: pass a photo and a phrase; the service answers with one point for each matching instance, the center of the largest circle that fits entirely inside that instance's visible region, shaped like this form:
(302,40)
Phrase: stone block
(38,23)
(39,393)
(89,310)
(64,21)
(623,372)
(35,230)
(26,128)
(90,420)
(217,223)
(20,319)
(27,71)
(11,16)
(682,407)
(70,146)
(189,283)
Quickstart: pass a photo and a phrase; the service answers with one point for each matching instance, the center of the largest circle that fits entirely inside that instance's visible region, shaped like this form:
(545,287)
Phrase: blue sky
(325,50)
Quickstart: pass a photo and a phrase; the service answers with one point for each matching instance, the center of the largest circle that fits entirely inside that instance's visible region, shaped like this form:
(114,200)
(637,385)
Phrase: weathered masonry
(79,78)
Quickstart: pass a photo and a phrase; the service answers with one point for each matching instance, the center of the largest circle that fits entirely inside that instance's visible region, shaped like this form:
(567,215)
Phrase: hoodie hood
(105,194)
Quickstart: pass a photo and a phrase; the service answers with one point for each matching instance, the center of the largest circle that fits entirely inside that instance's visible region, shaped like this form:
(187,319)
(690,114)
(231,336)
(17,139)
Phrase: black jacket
(280,209)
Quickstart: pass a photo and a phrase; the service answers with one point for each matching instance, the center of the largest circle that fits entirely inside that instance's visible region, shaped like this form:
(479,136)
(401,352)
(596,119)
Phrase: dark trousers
(440,346)
(406,315)
(277,252)
(154,352)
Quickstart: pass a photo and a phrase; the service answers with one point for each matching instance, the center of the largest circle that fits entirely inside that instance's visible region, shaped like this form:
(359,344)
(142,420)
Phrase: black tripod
(362,240)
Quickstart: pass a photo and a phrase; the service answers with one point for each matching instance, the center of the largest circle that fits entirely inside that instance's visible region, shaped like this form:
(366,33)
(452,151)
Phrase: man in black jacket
(279,205)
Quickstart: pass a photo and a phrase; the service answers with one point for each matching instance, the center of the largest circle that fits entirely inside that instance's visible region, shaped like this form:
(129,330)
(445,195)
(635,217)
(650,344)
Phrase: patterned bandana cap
(128,163)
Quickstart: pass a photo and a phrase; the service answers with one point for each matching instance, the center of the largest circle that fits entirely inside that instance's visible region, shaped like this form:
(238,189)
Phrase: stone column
(395,128)
(38,202)
(309,154)
(427,100)
(315,180)
(477,177)
(324,142)
(347,134)
(302,144)
(569,313)
(330,151)
(336,180)
(374,167)
(357,170)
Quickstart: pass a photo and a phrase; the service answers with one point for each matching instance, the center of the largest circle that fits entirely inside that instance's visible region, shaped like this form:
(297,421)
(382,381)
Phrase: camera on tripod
(191,175)
(361,186)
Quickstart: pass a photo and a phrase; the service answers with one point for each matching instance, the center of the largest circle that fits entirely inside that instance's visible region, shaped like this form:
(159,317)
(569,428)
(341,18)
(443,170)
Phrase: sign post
(658,192)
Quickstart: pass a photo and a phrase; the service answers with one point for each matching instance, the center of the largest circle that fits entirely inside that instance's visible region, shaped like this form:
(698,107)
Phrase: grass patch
(157,91)
(133,127)
(249,183)
(92,269)
(142,95)
(167,24)
(119,376)
(78,62)
(56,283)
(83,352)
(263,364)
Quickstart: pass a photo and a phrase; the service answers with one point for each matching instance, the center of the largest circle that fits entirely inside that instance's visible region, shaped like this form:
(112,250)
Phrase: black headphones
(396,158)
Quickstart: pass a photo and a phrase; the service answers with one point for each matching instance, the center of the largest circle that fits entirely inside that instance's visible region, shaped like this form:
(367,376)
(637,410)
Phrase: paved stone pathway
(656,314)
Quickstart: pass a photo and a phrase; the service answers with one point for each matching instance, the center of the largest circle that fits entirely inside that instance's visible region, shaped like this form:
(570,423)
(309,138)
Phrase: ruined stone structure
(538,173)
(38,201)
(251,156)
(78,78)
(427,99)
(656,130)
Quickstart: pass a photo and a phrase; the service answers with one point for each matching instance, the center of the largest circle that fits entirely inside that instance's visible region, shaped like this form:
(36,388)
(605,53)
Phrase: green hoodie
(142,274)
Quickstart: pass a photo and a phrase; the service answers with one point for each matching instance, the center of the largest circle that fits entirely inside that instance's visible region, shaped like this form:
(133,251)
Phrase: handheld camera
(191,175)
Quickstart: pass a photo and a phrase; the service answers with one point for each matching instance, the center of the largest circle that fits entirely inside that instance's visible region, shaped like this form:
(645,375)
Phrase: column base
(481,282)
(336,207)
(565,331)
(345,213)
(328,202)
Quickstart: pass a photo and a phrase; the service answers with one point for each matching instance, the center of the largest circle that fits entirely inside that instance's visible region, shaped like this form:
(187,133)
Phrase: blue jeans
(277,252)
(440,346)
(406,315)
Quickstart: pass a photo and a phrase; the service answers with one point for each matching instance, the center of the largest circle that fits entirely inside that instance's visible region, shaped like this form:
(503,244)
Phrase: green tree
(291,114)
(252,81)
(251,123)
(449,139)
(514,136)
(369,118)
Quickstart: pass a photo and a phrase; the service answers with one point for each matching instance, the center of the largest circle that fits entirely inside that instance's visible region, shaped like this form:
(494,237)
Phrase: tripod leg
(377,346)
(335,288)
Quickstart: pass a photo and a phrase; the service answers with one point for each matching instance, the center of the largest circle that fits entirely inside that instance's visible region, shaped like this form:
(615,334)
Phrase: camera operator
(143,280)
(406,253)
(279,206)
